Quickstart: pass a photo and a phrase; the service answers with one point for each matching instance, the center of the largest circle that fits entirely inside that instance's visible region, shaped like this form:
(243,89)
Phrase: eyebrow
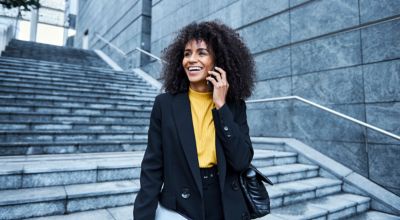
(198,49)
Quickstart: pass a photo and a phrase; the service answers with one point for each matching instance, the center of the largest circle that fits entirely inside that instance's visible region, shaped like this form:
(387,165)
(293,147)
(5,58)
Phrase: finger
(212,80)
(222,72)
(216,74)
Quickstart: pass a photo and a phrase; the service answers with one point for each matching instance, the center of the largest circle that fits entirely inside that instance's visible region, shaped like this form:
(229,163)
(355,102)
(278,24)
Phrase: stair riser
(77,111)
(282,178)
(13,90)
(72,98)
(293,198)
(60,78)
(49,87)
(74,84)
(55,118)
(33,180)
(61,103)
(274,161)
(37,138)
(71,127)
(72,148)
(29,210)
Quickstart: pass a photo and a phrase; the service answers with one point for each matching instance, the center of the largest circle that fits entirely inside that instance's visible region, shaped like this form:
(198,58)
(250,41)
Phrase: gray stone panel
(385,116)
(314,124)
(253,10)
(341,86)
(381,42)
(231,15)
(320,17)
(118,174)
(273,64)
(381,81)
(267,34)
(335,51)
(371,10)
(272,88)
(217,5)
(293,3)
(270,119)
(384,164)
(351,154)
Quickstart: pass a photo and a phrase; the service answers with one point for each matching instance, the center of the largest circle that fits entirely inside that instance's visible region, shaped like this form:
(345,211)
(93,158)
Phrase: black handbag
(254,191)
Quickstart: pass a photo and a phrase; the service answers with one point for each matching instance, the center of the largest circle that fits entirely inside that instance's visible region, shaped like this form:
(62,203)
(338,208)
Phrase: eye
(186,54)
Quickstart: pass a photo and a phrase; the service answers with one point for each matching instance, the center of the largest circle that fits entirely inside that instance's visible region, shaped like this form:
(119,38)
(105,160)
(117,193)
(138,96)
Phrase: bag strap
(261,175)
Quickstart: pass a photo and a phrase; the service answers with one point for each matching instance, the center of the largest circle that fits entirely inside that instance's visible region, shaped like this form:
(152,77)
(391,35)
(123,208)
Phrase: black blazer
(171,159)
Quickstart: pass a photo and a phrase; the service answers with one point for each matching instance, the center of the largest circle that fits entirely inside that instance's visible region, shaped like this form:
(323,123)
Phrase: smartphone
(210,85)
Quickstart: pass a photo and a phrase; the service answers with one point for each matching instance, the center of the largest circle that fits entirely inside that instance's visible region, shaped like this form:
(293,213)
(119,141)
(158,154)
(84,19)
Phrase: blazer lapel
(183,119)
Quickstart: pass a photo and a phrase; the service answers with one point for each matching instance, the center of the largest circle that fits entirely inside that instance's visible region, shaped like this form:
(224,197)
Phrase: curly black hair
(231,54)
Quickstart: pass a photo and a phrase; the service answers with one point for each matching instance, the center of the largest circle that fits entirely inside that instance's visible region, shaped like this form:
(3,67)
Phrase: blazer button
(226,128)
(234,185)
(185,193)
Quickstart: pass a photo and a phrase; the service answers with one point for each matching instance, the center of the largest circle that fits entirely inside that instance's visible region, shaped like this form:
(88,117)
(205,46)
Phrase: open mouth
(194,68)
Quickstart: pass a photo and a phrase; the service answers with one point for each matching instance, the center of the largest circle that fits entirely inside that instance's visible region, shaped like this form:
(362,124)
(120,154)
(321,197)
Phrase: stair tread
(20,196)
(287,168)
(374,215)
(298,186)
(74,142)
(318,207)
(119,213)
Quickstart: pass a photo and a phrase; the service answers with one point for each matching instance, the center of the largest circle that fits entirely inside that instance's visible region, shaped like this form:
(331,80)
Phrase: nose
(193,58)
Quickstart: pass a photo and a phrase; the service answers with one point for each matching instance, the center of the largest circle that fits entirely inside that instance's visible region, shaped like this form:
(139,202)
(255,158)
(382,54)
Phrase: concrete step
(15,61)
(71,97)
(11,136)
(91,93)
(49,109)
(58,170)
(61,117)
(338,206)
(56,68)
(290,172)
(35,202)
(66,78)
(117,104)
(292,192)
(374,215)
(68,147)
(117,213)
(72,87)
(76,126)
(71,74)
(54,170)
(116,86)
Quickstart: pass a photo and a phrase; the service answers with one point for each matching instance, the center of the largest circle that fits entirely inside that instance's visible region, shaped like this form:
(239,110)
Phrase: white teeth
(194,68)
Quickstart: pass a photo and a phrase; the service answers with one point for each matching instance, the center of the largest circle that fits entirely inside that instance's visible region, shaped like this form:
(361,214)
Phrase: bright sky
(45,33)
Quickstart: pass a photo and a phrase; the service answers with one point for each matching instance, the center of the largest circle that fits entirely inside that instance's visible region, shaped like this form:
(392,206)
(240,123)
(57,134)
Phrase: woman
(198,140)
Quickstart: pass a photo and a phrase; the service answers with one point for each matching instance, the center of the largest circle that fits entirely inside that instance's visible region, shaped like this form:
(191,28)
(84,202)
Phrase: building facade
(342,54)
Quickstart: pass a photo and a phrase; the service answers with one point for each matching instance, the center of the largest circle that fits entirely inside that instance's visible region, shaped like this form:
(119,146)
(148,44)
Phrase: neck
(200,87)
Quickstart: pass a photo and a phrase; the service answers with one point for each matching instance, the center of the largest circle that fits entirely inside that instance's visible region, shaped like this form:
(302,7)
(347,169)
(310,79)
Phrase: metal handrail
(328,110)
(125,54)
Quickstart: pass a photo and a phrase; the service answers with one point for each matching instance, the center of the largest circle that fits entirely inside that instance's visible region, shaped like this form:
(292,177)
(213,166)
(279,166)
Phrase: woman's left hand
(221,86)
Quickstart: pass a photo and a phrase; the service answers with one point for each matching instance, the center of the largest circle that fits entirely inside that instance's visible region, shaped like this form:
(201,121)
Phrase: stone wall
(124,23)
(343,54)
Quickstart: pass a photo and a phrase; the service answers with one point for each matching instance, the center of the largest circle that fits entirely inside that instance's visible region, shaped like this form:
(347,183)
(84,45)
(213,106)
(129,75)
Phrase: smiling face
(198,59)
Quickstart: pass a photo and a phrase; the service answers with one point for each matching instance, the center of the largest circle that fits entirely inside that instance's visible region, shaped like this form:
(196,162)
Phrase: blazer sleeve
(233,131)
(151,175)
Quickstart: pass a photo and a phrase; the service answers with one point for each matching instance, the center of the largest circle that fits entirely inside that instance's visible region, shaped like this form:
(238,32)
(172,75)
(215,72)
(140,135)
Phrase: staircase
(73,137)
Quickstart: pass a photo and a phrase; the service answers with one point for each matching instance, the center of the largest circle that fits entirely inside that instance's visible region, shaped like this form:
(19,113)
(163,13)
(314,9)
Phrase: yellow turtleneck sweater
(201,104)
